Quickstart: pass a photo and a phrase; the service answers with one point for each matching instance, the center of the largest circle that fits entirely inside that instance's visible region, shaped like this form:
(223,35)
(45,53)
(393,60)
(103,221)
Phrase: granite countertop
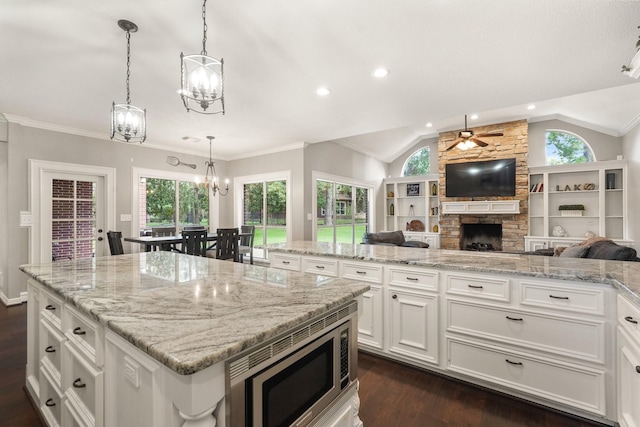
(191,312)
(625,275)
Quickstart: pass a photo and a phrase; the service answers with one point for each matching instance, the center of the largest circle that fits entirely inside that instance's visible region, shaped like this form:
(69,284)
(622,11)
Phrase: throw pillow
(575,252)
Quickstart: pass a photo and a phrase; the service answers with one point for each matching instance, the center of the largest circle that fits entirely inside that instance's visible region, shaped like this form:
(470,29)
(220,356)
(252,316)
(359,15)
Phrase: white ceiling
(64,62)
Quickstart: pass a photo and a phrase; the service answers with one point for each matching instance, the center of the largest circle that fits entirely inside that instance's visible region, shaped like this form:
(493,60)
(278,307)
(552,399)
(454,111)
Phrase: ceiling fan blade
(489,134)
(478,142)
(456,142)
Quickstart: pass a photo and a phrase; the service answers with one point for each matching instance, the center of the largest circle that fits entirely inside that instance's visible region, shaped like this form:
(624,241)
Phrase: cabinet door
(413,325)
(535,244)
(370,318)
(628,381)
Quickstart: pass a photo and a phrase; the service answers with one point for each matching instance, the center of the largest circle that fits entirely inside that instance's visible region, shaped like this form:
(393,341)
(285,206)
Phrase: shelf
(573,217)
(573,192)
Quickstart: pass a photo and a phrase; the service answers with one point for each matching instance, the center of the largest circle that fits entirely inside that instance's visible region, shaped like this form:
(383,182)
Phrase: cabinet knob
(78,331)
(394,296)
(78,383)
(631,320)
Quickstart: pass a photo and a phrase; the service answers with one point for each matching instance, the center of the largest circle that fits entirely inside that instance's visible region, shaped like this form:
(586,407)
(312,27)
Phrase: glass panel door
(342,212)
(264,206)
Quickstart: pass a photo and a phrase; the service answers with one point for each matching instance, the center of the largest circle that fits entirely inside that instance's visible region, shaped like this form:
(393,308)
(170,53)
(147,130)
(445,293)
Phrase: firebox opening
(481,237)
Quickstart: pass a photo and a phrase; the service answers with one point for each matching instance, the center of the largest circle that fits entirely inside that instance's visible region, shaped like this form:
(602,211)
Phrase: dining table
(171,242)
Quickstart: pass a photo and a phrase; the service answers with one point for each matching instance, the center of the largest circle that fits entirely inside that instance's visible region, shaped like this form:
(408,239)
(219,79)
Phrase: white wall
(631,151)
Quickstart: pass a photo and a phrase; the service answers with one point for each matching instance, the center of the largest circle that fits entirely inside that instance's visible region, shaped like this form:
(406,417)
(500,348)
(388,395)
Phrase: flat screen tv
(481,179)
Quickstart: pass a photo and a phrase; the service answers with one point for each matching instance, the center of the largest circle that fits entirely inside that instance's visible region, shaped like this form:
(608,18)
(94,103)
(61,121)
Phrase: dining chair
(193,227)
(163,231)
(194,242)
(246,242)
(226,245)
(115,242)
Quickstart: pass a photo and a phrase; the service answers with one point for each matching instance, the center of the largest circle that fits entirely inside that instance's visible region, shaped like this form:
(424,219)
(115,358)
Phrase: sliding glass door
(342,211)
(264,205)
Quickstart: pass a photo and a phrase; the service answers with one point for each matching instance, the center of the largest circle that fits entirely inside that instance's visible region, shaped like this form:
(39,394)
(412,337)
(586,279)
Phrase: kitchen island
(562,332)
(145,339)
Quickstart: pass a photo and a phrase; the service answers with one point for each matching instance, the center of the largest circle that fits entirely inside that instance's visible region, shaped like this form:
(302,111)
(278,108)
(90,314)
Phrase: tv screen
(481,179)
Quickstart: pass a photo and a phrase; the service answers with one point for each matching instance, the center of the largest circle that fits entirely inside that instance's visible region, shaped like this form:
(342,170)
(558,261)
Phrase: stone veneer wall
(514,144)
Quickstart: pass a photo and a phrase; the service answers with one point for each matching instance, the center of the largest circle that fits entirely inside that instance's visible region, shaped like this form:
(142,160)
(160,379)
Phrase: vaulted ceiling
(64,62)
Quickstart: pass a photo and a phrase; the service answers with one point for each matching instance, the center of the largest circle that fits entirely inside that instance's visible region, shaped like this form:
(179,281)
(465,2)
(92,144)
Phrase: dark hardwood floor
(391,394)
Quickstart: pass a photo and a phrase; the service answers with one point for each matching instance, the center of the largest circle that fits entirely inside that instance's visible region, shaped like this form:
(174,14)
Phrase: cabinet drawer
(569,384)
(51,308)
(83,384)
(324,266)
(422,279)
(286,262)
(50,400)
(361,271)
(85,334)
(564,298)
(51,341)
(629,317)
(584,339)
(491,288)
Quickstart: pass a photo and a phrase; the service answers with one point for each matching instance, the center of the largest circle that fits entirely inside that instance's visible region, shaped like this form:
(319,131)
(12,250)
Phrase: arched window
(564,147)
(418,163)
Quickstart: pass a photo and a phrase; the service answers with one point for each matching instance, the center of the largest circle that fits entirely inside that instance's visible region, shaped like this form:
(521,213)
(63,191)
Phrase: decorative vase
(434,189)
(391,209)
(558,231)
(435,228)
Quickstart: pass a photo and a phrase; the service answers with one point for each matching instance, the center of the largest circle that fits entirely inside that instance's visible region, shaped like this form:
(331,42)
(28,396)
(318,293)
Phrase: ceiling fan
(467,139)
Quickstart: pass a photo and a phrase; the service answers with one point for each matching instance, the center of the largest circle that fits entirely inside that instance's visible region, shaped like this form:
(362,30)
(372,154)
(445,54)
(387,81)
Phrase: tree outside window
(418,163)
(566,148)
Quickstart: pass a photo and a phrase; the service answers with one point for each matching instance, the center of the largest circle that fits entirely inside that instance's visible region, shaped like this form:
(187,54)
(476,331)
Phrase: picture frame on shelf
(413,189)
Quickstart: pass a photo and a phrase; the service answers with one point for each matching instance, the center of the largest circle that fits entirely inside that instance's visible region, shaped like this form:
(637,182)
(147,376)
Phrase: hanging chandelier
(202,77)
(128,122)
(211,178)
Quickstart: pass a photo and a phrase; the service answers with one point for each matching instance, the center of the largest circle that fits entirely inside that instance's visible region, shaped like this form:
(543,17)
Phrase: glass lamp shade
(128,123)
(202,83)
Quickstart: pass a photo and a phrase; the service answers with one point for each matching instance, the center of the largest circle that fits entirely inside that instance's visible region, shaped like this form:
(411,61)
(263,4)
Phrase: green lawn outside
(323,234)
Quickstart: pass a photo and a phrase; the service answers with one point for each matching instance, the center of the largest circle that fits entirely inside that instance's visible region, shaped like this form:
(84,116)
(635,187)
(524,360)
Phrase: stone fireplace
(514,227)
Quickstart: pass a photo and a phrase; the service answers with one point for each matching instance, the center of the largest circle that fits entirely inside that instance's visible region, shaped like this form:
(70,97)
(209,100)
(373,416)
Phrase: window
(342,210)
(565,148)
(169,202)
(418,163)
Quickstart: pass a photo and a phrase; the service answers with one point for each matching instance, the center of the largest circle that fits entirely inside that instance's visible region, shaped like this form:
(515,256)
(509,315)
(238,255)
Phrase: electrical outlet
(132,372)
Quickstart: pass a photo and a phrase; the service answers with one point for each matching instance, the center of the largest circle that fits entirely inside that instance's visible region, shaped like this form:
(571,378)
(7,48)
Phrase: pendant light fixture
(202,77)
(211,178)
(128,122)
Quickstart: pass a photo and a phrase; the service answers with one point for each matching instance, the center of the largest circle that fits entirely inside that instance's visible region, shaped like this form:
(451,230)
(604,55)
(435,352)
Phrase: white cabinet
(628,364)
(370,318)
(413,330)
(412,205)
(600,187)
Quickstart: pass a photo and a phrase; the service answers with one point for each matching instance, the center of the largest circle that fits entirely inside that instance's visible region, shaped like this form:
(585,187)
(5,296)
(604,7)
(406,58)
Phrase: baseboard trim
(13,301)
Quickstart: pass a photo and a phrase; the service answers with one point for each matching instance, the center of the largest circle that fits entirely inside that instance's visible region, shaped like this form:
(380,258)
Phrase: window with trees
(419,163)
(564,147)
(170,202)
(342,211)
(264,205)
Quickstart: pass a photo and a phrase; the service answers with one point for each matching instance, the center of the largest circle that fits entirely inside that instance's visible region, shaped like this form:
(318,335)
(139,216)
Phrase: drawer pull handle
(361,272)
(78,383)
(50,403)
(286,262)
(631,320)
(50,349)
(394,296)
(557,297)
(78,331)
(50,307)
(415,279)
(320,267)
(517,319)
(475,286)
(513,363)
(638,369)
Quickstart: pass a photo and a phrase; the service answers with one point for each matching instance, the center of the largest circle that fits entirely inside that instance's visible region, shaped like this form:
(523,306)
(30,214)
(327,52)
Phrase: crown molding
(576,122)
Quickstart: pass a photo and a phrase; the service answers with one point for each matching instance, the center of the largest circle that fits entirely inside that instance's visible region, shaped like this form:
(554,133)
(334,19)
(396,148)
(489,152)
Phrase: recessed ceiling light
(474,116)
(429,124)
(380,72)
(531,107)
(323,91)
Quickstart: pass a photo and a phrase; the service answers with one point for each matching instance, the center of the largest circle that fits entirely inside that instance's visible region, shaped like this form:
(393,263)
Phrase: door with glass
(264,206)
(342,212)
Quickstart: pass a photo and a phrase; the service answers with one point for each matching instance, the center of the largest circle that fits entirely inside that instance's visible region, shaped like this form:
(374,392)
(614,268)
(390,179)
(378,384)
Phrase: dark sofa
(594,248)
(391,238)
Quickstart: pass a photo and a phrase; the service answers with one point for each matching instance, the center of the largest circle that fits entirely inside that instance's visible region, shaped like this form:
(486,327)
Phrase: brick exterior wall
(514,144)
(73,218)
